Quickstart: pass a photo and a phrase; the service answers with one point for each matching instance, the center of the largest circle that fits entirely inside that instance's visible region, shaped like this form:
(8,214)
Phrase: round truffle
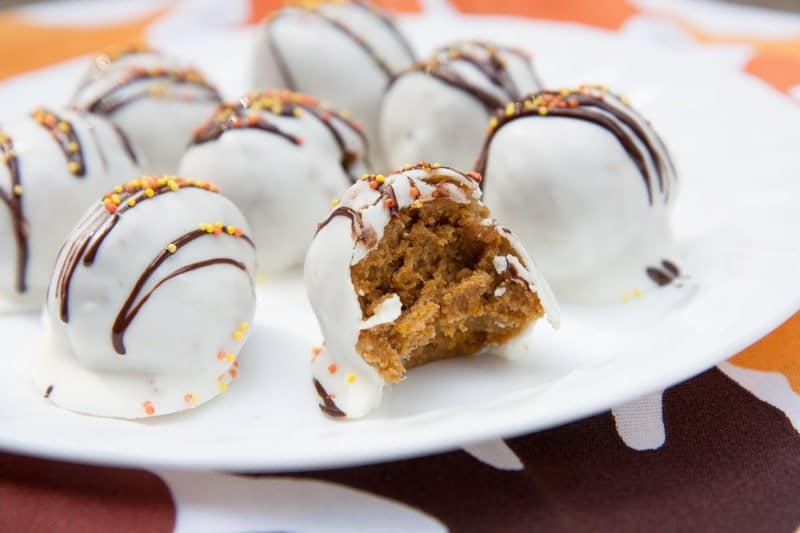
(344,52)
(588,186)
(440,108)
(280,157)
(52,165)
(408,269)
(155,99)
(149,303)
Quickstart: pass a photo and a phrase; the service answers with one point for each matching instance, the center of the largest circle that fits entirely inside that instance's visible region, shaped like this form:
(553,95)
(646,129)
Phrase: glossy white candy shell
(172,344)
(53,198)
(283,189)
(328,64)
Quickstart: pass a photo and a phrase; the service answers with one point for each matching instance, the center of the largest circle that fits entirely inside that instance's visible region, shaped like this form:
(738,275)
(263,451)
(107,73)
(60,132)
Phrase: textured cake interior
(438,258)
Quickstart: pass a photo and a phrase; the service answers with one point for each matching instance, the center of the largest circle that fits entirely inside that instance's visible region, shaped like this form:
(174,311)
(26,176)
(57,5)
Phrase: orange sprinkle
(237,232)
(389,203)
(332,368)
(188,397)
(316,350)
(221,355)
(414,192)
(111,207)
(233,372)
(148,408)
(476,176)
(299,140)
(217,231)
(373,184)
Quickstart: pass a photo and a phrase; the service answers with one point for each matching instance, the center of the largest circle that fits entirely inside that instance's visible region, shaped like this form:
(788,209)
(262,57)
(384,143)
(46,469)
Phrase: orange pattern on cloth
(777,352)
(261,8)
(35,45)
(608,14)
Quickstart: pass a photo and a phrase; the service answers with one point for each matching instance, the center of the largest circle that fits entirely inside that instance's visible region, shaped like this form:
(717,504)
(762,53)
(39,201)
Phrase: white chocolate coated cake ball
(150,302)
(438,110)
(588,186)
(155,99)
(281,157)
(344,52)
(52,165)
(429,312)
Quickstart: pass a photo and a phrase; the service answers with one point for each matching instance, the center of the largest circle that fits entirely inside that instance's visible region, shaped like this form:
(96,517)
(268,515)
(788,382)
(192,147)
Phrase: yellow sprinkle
(218,225)
(563,92)
(335,202)
(344,113)
(162,182)
(73,167)
(230,357)
(230,230)
(39,117)
(223,386)
(626,297)
(131,202)
(18,190)
(209,228)
(380,178)
(407,167)
(171,247)
(637,293)
(298,112)
(118,189)
(351,378)
(116,199)
(244,326)
(200,183)
(416,204)
(543,111)
(238,335)
(492,123)
(173,185)
(149,192)
(365,177)
(436,165)
(3,139)
(203,227)
(625,101)
(73,147)
(510,109)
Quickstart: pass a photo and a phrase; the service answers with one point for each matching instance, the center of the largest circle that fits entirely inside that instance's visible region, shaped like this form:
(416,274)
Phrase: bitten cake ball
(440,108)
(588,186)
(408,269)
(155,99)
(281,157)
(345,52)
(149,303)
(52,164)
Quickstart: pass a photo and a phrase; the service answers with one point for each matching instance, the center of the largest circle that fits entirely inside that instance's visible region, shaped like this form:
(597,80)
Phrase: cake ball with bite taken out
(155,99)
(440,108)
(589,186)
(408,269)
(342,51)
(149,303)
(52,164)
(280,156)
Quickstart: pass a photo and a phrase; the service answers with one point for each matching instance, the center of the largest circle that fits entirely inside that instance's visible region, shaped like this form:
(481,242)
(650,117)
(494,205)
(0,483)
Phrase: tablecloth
(720,452)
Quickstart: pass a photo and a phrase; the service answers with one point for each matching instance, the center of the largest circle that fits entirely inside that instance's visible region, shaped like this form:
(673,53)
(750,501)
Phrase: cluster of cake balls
(179,200)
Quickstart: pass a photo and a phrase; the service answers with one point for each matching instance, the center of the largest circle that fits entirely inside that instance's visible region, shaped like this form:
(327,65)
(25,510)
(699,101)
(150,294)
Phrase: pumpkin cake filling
(440,259)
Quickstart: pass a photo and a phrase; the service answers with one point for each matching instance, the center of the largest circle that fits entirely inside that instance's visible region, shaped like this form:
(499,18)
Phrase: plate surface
(737,222)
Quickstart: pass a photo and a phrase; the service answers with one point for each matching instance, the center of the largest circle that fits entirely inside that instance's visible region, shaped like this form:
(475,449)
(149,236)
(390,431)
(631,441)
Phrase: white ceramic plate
(738,223)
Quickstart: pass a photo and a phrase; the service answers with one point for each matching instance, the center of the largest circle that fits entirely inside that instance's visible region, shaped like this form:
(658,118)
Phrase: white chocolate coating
(51,197)
(356,387)
(282,171)
(155,99)
(439,110)
(343,52)
(576,198)
(154,322)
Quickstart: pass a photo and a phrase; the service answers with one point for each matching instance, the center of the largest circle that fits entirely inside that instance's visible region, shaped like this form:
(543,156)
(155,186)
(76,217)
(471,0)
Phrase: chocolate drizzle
(164,80)
(13,199)
(589,104)
(664,277)
(388,22)
(131,308)
(328,406)
(101,221)
(252,112)
(64,134)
